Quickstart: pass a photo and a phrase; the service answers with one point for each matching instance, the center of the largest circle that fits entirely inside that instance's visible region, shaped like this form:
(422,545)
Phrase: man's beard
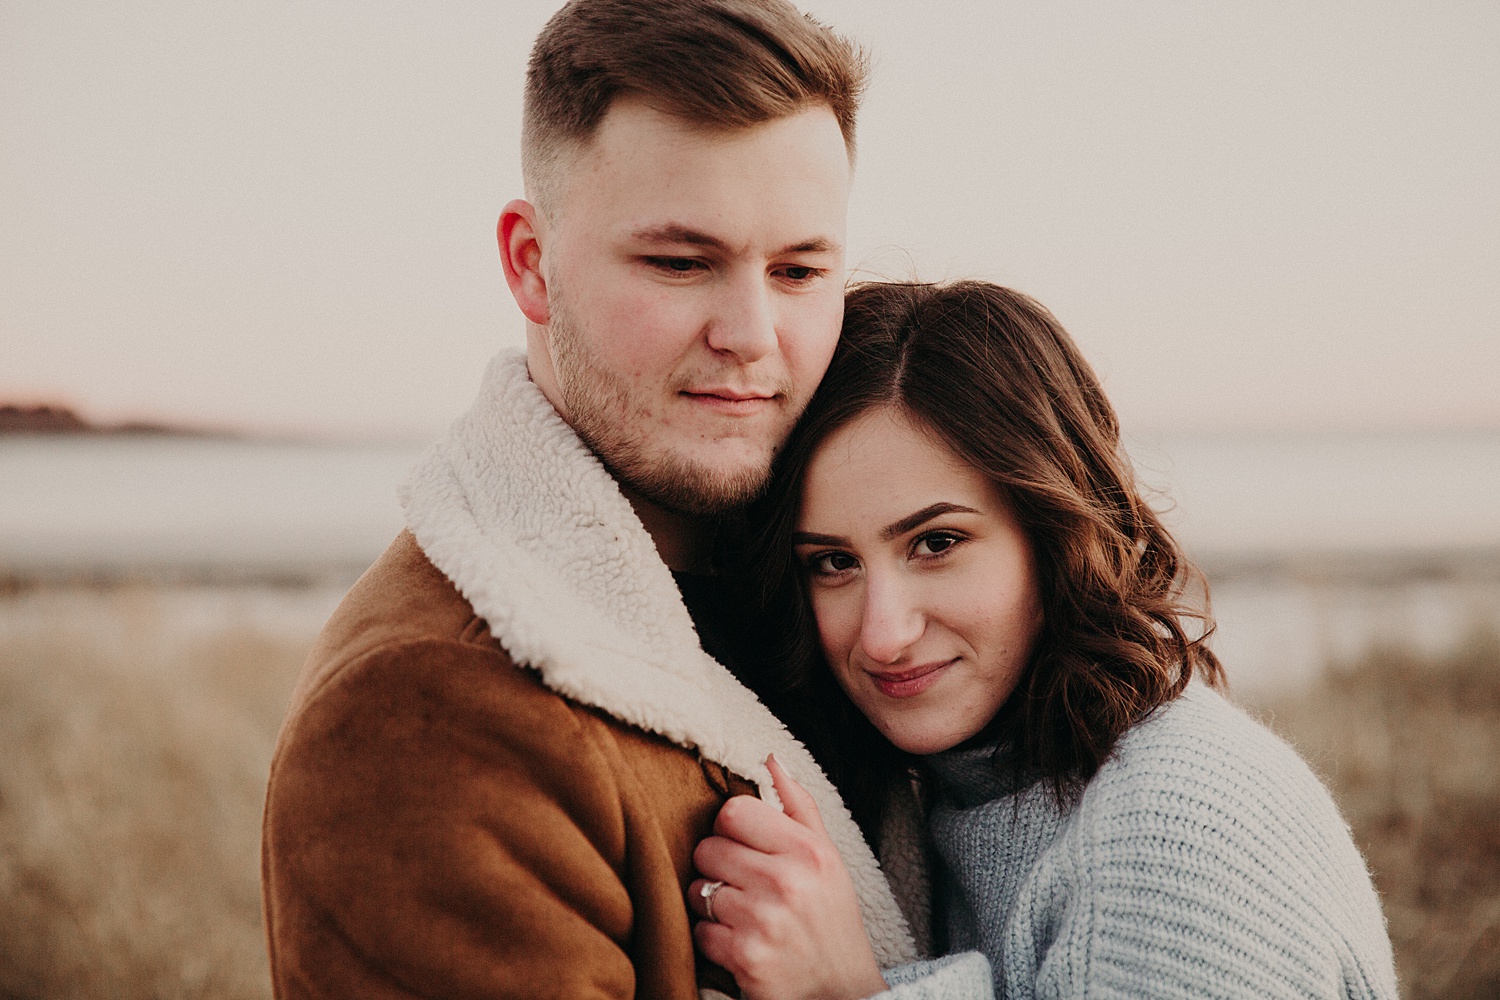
(676,485)
(599,409)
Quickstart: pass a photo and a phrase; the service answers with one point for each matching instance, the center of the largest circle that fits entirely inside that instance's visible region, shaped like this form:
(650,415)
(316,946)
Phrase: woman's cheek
(838,631)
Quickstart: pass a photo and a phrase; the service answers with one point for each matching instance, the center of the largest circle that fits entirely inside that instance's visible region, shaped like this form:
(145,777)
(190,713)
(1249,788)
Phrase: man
(508,741)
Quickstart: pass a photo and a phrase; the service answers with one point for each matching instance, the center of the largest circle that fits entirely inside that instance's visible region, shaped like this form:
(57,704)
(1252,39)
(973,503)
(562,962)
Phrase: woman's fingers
(799,805)
(757,824)
(721,946)
(724,859)
(708,898)
(785,914)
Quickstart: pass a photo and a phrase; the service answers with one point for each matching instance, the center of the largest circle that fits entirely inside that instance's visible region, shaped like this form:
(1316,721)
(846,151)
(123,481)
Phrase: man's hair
(715,64)
(991,374)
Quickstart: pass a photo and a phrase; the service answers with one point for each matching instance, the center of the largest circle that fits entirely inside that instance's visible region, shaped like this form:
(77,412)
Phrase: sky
(280,215)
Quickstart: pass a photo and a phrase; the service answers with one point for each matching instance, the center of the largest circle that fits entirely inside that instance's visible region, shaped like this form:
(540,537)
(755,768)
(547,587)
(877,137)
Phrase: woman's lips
(908,683)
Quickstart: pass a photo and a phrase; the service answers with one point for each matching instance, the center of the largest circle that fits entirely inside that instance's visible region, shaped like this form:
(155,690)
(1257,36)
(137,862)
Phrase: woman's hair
(994,375)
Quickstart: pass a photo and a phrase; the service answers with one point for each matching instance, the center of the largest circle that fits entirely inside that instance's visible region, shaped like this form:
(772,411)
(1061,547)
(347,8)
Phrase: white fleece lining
(523,519)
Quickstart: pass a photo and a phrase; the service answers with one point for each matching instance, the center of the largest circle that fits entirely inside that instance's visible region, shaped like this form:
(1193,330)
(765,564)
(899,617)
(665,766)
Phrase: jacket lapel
(534,532)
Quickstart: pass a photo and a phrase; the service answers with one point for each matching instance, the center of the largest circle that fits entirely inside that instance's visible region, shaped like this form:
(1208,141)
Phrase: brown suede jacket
(440,824)
(507,743)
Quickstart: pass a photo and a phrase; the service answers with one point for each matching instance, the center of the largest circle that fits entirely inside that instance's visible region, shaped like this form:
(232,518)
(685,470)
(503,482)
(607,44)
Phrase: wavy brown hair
(998,379)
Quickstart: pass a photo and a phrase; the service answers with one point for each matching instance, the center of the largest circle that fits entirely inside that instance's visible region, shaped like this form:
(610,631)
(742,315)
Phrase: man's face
(695,283)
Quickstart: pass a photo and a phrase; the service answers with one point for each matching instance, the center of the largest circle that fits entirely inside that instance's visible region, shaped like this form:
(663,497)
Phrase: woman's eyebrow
(813,538)
(921,517)
(890,531)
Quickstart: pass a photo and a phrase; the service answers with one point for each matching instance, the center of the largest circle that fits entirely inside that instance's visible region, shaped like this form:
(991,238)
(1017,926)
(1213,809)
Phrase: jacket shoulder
(406,673)
(401,600)
(437,817)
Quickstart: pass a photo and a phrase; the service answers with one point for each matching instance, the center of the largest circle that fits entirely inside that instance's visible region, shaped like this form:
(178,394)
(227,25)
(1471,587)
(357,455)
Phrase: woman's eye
(832,563)
(935,544)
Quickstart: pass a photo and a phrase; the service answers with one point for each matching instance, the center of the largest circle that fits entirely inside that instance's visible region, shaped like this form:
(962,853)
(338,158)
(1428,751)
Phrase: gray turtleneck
(1203,860)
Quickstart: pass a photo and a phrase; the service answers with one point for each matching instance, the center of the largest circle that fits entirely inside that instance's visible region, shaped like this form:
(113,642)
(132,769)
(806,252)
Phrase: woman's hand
(786,920)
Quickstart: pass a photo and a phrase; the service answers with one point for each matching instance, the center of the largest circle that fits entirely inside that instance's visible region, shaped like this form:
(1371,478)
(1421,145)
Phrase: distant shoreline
(16,580)
(48,419)
(1307,568)
(1370,566)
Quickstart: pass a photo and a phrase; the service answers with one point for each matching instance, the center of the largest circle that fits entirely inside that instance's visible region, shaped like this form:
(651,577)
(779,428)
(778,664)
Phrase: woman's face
(923,583)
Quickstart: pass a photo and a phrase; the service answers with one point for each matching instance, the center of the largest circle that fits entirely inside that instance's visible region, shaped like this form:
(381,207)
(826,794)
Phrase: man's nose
(744,320)
(892,620)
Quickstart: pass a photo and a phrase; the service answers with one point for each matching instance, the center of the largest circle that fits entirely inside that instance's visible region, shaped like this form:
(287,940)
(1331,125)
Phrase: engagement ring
(707,892)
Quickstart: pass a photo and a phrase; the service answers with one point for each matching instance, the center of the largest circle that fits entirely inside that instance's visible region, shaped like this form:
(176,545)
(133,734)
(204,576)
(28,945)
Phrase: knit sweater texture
(1203,860)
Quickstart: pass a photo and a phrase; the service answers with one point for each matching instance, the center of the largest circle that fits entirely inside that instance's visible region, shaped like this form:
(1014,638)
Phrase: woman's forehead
(880,467)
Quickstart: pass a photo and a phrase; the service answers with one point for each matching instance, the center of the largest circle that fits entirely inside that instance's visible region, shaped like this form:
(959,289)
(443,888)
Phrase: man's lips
(734,402)
(911,682)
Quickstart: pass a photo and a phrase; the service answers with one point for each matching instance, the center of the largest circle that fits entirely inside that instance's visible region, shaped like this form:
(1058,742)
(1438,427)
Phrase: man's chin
(698,491)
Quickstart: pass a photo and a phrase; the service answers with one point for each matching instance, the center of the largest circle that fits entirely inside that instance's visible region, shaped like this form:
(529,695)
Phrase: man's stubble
(601,411)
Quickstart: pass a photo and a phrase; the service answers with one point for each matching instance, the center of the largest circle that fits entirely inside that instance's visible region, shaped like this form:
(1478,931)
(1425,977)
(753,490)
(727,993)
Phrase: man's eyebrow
(677,235)
(921,517)
(818,244)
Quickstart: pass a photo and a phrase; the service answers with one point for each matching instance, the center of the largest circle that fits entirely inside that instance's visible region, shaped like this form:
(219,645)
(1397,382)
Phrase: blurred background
(247,270)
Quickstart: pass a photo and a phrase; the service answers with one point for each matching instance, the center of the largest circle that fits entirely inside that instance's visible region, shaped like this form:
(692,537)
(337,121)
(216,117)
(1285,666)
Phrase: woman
(1002,621)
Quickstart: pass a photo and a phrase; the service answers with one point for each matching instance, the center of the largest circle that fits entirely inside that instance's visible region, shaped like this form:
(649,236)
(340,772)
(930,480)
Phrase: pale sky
(280,215)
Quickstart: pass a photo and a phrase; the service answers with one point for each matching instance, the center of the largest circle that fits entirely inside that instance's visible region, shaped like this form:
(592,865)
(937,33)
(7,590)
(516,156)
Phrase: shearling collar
(524,520)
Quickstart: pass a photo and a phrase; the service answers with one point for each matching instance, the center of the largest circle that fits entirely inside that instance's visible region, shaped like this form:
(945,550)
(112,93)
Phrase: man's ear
(521,253)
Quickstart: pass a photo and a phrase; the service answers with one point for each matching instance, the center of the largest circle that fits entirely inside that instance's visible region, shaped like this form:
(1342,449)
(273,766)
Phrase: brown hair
(719,64)
(998,379)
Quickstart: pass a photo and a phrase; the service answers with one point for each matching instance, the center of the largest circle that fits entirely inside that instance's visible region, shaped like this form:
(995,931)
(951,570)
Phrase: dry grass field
(133,758)
(1411,749)
(130,795)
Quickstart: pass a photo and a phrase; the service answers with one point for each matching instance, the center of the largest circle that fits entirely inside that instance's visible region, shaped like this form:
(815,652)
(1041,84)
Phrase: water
(128,505)
(1283,494)
(1317,546)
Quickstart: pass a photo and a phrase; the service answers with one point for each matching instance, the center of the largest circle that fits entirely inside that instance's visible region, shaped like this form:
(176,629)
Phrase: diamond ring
(707,892)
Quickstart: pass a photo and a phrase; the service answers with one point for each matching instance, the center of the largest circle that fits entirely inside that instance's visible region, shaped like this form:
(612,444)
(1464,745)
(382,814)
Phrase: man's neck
(682,541)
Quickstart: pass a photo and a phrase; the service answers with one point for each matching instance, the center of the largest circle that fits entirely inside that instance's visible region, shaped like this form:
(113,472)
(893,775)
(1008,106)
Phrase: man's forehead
(633,116)
(651,180)
(634,137)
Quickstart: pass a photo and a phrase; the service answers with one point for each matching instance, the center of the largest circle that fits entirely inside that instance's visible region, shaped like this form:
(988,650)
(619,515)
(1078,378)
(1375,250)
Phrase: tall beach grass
(134,764)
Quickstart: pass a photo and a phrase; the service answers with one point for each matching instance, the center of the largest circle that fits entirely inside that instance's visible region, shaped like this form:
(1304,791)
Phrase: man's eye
(798,273)
(681,265)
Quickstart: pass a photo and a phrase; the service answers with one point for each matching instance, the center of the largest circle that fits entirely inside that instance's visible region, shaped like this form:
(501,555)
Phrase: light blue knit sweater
(1204,860)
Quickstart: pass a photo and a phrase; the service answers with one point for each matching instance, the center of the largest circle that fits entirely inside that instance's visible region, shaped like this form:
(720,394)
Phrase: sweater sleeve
(432,834)
(1215,867)
(965,976)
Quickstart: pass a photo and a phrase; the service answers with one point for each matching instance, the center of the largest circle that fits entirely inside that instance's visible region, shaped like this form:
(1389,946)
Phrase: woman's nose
(892,621)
